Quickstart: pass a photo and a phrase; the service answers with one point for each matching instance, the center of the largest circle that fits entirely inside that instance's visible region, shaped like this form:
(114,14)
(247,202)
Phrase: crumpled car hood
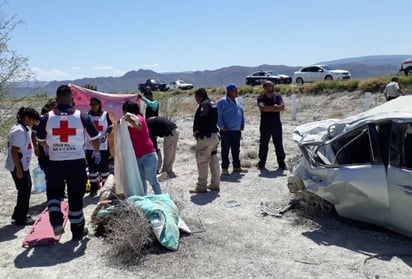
(369,191)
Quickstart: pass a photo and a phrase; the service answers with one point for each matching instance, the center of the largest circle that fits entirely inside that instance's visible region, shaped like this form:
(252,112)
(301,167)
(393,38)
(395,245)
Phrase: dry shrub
(311,205)
(128,234)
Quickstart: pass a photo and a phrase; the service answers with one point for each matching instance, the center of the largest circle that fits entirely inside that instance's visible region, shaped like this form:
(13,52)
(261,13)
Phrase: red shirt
(142,144)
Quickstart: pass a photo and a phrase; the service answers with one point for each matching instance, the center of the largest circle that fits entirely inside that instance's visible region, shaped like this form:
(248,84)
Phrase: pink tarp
(110,102)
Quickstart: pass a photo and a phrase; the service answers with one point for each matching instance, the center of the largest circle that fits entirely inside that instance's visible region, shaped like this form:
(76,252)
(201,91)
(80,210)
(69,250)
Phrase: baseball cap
(231,87)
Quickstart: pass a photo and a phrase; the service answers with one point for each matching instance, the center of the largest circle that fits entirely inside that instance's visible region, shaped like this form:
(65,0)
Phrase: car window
(406,150)
(313,69)
(383,135)
(353,148)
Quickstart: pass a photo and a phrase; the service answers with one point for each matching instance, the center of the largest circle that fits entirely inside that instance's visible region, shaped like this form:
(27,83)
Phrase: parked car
(259,77)
(406,67)
(179,84)
(153,85)
(362,164)
(319,72)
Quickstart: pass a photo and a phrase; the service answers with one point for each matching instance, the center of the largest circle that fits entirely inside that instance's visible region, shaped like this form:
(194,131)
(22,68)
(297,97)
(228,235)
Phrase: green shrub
(374,85)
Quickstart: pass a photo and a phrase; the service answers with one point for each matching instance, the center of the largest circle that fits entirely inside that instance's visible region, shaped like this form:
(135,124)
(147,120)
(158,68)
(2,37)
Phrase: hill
(360,67)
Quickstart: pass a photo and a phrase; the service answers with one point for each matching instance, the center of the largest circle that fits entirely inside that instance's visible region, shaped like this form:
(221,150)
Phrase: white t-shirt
(19,136)
(391,89)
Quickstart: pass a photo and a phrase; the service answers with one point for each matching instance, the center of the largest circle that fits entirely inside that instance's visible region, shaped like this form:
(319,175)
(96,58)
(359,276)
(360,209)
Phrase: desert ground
(226,242)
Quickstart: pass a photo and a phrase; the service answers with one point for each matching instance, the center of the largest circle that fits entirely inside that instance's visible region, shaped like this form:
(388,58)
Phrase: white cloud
(75,72)
(53,74)
(154,65)
(103,68)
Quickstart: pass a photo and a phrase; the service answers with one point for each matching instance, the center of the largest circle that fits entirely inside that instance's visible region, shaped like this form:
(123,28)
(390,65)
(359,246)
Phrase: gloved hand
(97,157)
(46,150)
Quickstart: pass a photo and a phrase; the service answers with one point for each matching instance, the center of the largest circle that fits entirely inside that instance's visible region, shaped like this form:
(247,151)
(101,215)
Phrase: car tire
(299,81)
(408,71)
(328,77)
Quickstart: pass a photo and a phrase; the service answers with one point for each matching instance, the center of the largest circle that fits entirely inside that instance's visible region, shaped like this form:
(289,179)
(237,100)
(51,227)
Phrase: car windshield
(273,73)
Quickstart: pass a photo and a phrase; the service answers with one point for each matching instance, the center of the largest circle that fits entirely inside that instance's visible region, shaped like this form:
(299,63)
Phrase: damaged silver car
(362,164)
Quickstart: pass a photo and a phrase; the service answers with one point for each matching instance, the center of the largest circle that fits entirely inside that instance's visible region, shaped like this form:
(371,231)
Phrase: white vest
(101,124)
(65,136)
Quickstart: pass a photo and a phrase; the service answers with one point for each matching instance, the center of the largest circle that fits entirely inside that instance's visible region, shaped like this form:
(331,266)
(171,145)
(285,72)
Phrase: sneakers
(58,230)
(162,176)
(212,187)
(197,191)
(240,170)
(80,237)
(282,166)
(225,172)
(260,166)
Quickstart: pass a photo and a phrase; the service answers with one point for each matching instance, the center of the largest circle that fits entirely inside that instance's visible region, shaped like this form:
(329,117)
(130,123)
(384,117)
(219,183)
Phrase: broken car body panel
(362,164)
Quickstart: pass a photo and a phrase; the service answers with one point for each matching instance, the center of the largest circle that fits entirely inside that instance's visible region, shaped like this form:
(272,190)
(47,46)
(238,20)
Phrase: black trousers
(23,187)
(274,132)
(72,173)
(102,168)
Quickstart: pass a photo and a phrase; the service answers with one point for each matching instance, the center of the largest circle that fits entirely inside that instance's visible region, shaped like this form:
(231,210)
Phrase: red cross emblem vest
(65,136)
(101,125)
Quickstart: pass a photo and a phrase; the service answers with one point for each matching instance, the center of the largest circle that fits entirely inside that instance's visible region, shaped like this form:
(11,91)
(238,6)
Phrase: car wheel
(299,81)
(408,72)
(328,78)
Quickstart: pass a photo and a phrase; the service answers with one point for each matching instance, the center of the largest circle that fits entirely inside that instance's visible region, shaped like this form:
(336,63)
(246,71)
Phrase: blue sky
(97,38)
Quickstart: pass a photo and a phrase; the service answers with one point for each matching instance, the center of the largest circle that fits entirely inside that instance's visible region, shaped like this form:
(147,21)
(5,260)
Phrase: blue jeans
(230,141)
(148,170)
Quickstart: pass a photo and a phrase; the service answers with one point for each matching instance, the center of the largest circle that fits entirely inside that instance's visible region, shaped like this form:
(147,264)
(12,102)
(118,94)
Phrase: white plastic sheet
(126,171)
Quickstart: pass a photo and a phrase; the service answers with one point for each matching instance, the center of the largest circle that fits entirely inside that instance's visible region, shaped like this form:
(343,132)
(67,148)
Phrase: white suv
(319,72)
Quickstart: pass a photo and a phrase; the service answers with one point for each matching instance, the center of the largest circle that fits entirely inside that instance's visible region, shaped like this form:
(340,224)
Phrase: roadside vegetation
(374,85)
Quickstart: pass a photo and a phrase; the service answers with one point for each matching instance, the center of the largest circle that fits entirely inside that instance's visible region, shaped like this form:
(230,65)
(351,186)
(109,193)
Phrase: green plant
(375,84)
(169,102)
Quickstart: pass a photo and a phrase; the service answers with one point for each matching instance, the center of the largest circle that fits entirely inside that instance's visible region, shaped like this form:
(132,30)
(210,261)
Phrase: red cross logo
(98,127)
(64,131)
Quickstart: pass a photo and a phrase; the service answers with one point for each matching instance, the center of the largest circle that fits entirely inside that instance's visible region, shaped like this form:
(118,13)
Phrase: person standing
(143,146)
(39,151)
(166,129)
(270,105)
(20,147)
(207,140)
(393,89)
(63,131)
(231,122)
(152,105)
(104,125)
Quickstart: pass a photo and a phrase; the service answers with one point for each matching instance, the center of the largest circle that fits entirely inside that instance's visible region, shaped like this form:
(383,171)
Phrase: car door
(358,180)
(317,73)
(400,177)
(262,77)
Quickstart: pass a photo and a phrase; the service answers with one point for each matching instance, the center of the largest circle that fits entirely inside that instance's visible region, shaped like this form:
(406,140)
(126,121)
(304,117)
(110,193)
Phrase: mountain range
(360,68)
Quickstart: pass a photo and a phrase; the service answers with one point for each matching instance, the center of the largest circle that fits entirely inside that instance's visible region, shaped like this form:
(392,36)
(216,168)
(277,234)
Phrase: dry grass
(128,235)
